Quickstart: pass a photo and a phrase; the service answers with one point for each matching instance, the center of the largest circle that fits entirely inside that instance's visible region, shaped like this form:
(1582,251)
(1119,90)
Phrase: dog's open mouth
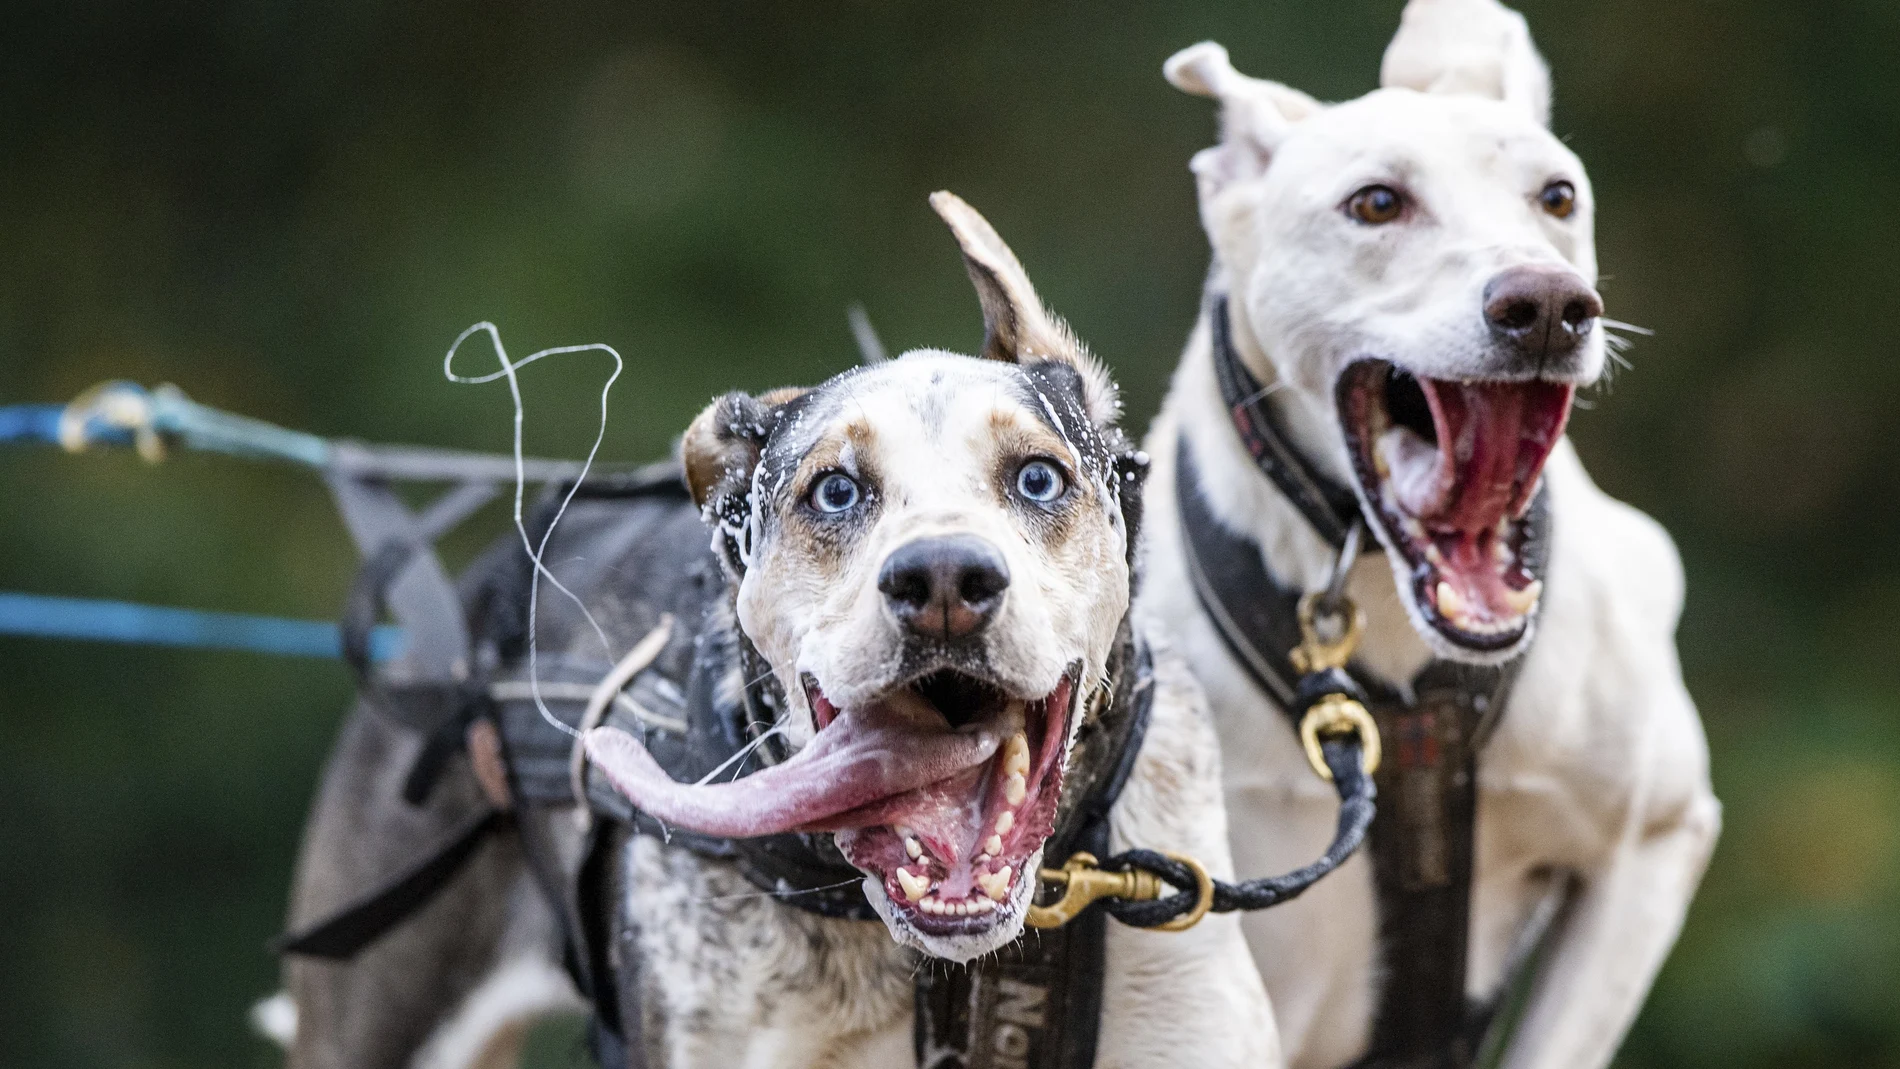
(942,789)
(1450,467)
(952,854)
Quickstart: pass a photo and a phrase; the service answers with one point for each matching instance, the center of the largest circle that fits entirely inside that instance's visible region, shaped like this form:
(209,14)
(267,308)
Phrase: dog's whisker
(1264,392)
(1617,324)
(743,753)
(777,894)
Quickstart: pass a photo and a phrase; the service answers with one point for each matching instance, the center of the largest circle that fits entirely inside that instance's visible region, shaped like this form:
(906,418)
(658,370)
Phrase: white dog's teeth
(979,859)
(1005,821)
(1500,551)
(1451,604)
(1523,601)
(982,905)
(1015,788)
(993,845)
(1016,755)
(1432,555)
(995,884)
(912,847)
(915,887)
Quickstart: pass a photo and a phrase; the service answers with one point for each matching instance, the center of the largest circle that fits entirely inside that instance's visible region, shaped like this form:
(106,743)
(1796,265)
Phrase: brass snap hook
(1328,639)
(1336,714)
(1083,881)
(1330,625)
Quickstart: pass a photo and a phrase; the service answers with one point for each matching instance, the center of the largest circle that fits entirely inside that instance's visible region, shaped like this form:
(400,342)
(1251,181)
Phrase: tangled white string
(508,371)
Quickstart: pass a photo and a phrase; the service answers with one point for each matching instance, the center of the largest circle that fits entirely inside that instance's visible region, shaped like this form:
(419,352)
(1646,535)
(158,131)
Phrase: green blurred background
(290,209)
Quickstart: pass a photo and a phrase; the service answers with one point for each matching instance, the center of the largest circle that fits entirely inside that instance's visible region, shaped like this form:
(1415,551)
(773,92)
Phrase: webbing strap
(341,934)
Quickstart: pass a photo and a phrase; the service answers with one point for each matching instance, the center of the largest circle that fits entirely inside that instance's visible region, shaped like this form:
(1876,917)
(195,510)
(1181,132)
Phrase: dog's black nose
(1542,312)
(947,587)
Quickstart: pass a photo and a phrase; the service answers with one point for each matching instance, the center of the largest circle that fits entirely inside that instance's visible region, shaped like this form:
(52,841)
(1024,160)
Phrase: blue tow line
(41,616)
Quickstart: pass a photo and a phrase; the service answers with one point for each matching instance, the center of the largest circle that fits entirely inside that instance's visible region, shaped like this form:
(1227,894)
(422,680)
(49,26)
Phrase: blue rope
(30,423)
(120,621)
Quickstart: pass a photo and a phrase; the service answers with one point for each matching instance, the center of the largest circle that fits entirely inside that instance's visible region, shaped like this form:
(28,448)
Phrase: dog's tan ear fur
(1017,329)
(1256,115)
(1473,47)
(722,446)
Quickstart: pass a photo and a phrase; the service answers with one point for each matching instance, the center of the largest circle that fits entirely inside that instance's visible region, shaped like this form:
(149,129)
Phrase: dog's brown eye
(1375,204)
(1559,199)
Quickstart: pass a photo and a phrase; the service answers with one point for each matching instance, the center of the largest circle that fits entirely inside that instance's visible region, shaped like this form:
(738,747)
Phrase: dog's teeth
(1523,601)
(1005,821)
(1451,604)
(979,859)
(1015,788)
(982,905)
(995,884)
(993,845)
(1016,754)
(915,887)
(912,847)
(1432,555)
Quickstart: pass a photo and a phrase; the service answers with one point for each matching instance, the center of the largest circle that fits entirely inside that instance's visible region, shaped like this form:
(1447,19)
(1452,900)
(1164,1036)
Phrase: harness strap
(355,926)
(1422,837)
(1331,509)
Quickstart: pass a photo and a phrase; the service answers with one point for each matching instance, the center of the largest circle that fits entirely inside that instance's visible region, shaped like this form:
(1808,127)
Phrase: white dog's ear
(1475,47)
(1017,329)
(1255,114)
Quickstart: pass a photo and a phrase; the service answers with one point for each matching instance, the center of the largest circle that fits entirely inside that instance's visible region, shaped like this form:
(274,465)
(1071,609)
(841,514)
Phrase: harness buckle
(1083,881)
(1336,714)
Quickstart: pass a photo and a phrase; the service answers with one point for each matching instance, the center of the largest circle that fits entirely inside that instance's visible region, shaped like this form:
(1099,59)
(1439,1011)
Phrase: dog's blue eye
(834,493)
(1039,481)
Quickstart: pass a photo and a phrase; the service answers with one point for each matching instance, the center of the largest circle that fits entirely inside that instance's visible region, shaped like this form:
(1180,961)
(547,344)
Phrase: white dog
(1408,280)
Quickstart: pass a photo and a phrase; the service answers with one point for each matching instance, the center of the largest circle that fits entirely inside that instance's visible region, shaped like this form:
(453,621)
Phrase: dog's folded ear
(719,452)
(1255,114)
(1017,329)
(1474,47)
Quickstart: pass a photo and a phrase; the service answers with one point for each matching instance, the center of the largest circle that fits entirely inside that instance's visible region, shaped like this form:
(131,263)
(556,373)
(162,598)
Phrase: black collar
(1331,509)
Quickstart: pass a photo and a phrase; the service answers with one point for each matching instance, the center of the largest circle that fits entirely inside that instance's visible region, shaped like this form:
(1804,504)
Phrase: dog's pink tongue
(1493,439)
(861,757)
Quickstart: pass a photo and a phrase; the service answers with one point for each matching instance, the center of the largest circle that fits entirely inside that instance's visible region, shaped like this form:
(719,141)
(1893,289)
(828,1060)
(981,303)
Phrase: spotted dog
(931,557)
(1408,278)
(922,569)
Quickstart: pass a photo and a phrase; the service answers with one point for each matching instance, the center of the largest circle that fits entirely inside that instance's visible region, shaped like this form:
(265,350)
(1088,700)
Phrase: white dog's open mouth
(1450,468)
(942,789)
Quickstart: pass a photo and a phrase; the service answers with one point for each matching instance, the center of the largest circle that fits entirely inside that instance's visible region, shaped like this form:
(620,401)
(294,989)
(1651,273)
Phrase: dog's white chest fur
(734,978)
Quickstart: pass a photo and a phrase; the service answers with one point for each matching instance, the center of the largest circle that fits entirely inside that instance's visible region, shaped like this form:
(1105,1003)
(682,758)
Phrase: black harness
(1433,731)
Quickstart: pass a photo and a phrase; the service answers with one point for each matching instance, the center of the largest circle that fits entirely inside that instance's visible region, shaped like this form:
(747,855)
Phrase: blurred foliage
(290,209)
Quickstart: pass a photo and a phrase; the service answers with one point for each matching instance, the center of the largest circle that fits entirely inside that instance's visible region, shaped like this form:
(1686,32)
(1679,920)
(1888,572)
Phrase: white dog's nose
(945,587)
(1544,313)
